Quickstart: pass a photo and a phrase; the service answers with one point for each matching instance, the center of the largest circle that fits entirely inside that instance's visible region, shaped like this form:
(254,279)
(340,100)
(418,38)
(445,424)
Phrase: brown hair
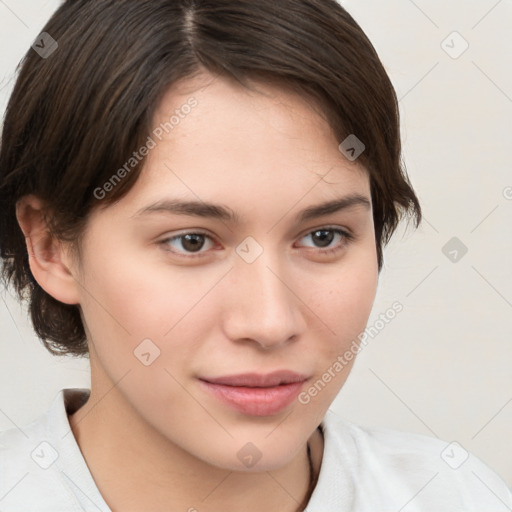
(76,115)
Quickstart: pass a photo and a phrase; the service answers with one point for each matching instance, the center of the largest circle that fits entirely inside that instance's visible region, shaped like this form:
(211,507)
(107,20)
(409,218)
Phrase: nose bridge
(264,307)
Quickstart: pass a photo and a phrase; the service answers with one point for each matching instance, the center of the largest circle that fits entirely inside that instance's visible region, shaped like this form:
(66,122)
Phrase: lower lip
(256,401)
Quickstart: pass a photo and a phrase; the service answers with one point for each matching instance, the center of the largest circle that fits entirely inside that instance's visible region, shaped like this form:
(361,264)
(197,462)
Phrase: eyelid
(346,234)
(326,227)
(183,233)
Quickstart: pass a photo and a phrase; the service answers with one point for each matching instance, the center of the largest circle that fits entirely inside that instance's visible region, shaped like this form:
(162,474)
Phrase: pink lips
(256,394)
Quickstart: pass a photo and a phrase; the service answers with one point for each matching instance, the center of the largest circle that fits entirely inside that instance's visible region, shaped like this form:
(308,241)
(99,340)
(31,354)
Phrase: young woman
(195,194)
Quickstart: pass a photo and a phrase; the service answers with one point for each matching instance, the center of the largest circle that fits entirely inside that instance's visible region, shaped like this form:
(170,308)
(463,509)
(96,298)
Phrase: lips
(255,380)
(256,394)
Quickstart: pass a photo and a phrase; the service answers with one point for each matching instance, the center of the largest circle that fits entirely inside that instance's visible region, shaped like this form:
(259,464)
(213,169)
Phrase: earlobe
(48,259)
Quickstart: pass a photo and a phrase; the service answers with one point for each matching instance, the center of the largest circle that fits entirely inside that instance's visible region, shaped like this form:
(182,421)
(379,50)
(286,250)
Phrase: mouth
(256,394)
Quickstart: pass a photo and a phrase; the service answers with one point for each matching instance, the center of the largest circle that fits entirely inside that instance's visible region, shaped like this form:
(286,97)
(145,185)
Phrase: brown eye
(323,238)
(187,243)
(193,242)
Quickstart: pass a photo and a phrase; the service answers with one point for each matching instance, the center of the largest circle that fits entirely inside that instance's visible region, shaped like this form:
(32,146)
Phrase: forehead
(243,147)
(263,114)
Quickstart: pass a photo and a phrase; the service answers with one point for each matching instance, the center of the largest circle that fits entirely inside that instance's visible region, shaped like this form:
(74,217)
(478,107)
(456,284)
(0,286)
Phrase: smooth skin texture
(153,439)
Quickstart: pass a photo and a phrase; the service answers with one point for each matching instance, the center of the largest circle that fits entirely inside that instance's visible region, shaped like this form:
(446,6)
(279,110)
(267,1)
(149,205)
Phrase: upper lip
(258,380)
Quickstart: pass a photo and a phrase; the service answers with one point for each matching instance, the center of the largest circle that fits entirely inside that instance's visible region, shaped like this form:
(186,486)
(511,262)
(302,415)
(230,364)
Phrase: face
(173,296)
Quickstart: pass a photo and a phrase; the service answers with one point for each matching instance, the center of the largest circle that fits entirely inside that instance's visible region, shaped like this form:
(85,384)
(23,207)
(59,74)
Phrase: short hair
(78,114)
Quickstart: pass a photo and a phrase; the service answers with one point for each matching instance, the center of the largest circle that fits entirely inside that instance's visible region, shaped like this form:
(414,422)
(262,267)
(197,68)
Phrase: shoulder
(423,472)
(29,479)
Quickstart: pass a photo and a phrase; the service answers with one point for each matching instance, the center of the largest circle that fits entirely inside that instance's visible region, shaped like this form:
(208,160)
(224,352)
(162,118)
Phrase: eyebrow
(221,212)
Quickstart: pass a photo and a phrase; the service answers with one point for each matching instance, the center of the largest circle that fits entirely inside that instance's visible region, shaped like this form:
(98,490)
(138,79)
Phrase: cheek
(141,298)
(356,293)
(131,300)
(344,304)
(343,299)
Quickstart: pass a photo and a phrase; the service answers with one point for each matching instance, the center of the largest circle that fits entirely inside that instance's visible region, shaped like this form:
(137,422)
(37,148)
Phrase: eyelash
(347,238)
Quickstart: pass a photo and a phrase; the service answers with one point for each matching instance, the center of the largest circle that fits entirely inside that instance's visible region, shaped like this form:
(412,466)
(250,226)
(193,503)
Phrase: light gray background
(442,366)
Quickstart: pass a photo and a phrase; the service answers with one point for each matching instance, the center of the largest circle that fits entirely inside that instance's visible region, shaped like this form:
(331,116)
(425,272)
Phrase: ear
(49,260)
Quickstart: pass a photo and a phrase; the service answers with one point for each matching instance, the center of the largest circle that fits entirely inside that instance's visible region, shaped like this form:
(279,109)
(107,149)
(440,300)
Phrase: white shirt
(363,470)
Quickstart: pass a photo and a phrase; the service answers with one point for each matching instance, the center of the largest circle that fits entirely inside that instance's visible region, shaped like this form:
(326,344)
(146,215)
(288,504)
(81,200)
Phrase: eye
(189,245)
(324,237)
(192,241)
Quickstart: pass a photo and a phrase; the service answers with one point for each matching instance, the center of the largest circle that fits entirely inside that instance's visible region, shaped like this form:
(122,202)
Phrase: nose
(263,308)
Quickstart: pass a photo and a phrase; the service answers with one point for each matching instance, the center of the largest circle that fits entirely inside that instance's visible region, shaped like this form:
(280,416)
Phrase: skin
(266,157)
